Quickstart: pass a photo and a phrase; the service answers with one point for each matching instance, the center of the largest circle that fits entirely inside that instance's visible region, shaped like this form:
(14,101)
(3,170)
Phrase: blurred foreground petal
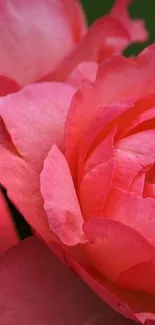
(36,289)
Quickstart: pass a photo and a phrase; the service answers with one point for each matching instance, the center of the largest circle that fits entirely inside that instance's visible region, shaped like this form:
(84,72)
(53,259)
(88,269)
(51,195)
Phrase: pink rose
(46,39)
(73,164)
(90,194)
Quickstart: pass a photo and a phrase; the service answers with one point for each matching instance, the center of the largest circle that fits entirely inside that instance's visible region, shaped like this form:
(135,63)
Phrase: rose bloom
(73,164)
(46,39)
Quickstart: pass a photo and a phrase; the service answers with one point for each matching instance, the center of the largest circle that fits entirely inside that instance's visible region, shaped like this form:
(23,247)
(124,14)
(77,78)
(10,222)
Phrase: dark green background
(139,8)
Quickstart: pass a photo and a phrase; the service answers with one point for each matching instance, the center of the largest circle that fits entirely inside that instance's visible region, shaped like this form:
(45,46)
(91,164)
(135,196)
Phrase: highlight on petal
(29,45)
(35,117)
(37,289)
(136,28)
(107,239)
(84,71)
(8,233)
(60,200)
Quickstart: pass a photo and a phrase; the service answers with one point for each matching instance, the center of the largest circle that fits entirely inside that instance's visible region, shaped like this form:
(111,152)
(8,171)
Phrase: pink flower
(46,39)
(77,160)
(90,194)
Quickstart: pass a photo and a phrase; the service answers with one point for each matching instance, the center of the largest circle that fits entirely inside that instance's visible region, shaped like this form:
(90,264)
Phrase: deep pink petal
(84,71)
(29,45)
(108,238)
(135,27)
(8,86)
(139,277)
(37,289)
(36,119)
(8,233)
(60,200)
(133,211)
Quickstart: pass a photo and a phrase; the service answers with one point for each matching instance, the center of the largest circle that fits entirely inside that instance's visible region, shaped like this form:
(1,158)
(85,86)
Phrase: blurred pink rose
(45,39)
(36,35)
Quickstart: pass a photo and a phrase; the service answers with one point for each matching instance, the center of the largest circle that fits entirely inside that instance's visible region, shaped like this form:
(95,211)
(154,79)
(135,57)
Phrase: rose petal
(117,76)
(143,153)
(105,37)
(107,240)
(139,277)
(84,109)
(34,118)
(94,189)
(23,187)
(135,27)
(29,45)
(102,153)
(60,200)
(133,211)
(8,233)
(37,289)
(84,71)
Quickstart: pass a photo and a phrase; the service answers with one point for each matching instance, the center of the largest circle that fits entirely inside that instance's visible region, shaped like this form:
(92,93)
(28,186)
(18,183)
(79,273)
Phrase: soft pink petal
(35,36)
(23,188)
(136,28)
(34,118)
(76,17)
(132,159)
(133,211)
(60,200)
(8,233)
(110,239)
(84,71)
(105,37)
(127,167)
(141,145)
(36,289)
(8,86)
(139,277)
